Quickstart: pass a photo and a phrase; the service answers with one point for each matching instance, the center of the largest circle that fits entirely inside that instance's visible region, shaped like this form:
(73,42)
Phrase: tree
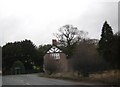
(0,58)
(115,55)
(30,56)
(9,52)
(42,51)
(68,36)
(17,67)
(25,51)
(106,42)
(86,58)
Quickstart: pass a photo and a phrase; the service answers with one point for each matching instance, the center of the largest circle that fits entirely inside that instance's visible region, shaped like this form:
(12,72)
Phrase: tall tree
(68,36)
(0,58)
(116,51)
(105,42)
(25,51)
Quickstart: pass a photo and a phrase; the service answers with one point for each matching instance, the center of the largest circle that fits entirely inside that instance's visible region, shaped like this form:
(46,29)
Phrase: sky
(37,20)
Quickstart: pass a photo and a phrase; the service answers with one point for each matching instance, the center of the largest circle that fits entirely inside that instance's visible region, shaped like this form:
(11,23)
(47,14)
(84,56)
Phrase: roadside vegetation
(110,77)
(88,59)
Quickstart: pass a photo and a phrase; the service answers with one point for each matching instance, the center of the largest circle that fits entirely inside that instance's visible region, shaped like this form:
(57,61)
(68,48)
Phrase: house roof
(54,49)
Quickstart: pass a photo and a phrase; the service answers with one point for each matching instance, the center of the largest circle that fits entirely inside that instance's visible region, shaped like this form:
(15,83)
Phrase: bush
(17,68)
(86,59)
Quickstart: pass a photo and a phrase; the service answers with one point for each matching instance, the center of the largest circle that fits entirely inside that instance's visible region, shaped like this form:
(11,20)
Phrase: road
(33,79)
(0,80)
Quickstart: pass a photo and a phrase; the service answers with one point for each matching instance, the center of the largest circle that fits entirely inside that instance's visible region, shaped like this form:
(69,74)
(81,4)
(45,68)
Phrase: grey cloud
(30,26)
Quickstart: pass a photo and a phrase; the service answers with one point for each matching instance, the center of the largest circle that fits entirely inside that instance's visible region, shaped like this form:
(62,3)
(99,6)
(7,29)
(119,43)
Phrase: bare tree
(68,36)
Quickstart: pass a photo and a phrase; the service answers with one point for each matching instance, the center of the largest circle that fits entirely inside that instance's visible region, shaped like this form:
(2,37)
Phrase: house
(55,60)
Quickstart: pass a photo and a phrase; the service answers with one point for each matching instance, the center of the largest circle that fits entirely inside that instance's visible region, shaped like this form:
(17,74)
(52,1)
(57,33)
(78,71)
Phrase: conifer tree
(105,43)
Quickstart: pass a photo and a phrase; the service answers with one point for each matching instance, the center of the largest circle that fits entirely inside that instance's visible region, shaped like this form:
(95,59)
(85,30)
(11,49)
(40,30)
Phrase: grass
(107,77)
(65,76)
(110,77)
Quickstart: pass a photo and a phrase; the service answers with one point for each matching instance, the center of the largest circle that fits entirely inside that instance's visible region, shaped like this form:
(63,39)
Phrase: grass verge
(111,77)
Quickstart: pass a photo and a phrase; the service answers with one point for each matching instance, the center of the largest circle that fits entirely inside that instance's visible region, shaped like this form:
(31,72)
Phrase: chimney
(54,42)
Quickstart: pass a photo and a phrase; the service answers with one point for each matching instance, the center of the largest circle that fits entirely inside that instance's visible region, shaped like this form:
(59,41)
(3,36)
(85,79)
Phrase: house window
(55,55)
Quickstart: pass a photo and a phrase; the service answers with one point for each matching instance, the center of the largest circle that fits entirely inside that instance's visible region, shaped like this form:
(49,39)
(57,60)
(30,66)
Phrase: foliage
(108,46)
(111,77)
(106,39)
(115,53)
(17,64)
(25,51)
(0,58)
(43,49)
(86,59)
(68,36)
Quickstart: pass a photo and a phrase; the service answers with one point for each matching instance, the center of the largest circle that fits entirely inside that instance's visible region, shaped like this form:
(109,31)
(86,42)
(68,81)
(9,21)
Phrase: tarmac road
(0,80)
(33,79)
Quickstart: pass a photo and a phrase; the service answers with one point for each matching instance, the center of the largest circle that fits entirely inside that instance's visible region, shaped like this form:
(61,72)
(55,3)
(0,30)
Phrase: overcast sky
(37,20)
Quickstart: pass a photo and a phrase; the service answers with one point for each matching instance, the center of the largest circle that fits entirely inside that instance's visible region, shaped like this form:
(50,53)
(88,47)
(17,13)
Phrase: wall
(60,65)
